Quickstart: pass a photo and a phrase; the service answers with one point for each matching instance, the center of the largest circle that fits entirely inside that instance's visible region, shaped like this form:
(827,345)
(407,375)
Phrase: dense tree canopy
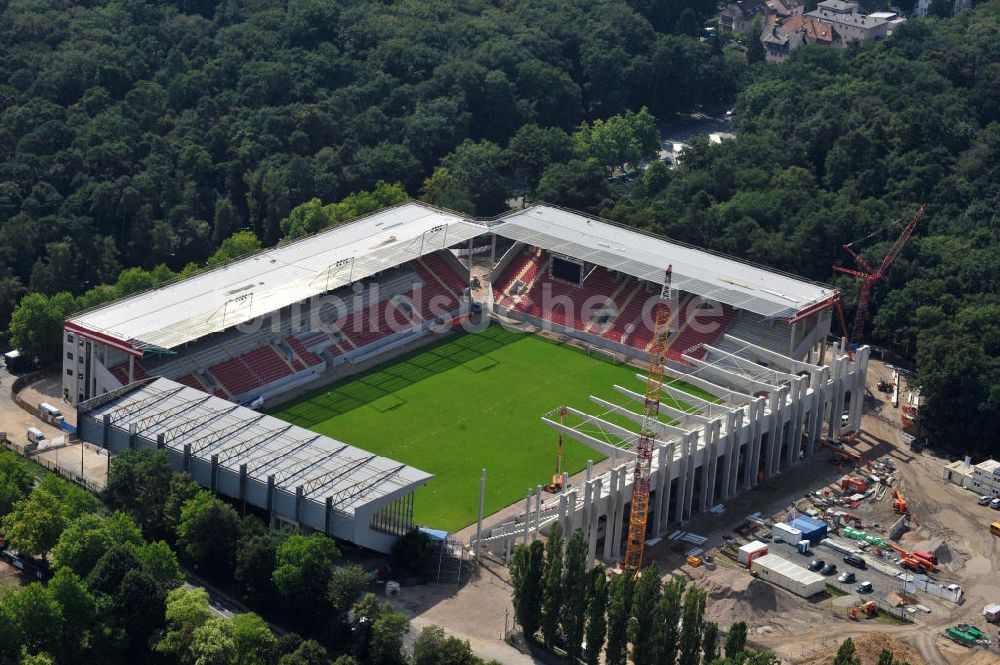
(842,145)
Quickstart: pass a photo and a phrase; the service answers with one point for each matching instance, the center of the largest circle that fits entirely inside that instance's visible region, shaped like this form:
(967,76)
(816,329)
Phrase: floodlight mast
(647,432)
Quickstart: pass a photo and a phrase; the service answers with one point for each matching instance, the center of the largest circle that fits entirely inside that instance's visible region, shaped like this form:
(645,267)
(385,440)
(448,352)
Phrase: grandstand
(297,476)
(318,309)
(263,325)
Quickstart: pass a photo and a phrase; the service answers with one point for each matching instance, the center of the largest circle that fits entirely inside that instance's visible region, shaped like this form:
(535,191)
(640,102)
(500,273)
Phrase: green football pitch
(467,402)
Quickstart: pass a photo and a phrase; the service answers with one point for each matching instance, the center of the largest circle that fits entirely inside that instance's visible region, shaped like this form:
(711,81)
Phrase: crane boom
(869,277)
(647,429)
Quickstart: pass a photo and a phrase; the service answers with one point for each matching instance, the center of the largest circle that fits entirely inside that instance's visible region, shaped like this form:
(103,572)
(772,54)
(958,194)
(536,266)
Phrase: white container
(391,589)
(751,550)
(35,435)
(787,575)
(783,533)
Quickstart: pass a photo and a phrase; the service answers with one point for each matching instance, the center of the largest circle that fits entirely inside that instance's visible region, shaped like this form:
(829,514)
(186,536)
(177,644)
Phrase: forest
(140,140)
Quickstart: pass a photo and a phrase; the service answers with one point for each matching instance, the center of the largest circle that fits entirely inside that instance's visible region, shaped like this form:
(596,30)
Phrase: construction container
(802,546)
(991,612)
(751,551)
(811,529)
(787,575)
(785,533)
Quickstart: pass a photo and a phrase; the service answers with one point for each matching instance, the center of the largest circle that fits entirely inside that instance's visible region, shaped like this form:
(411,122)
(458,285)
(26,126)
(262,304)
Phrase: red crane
(647,430)
(870,276)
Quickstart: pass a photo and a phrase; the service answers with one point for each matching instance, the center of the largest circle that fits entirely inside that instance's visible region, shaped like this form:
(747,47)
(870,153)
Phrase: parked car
(855,560)
(816,564)
(846,578)
(985,500)
(995,504)
(829,569)
(865,587)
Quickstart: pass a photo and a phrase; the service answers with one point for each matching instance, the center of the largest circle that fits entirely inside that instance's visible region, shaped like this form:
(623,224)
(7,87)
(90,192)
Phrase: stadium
(356,381)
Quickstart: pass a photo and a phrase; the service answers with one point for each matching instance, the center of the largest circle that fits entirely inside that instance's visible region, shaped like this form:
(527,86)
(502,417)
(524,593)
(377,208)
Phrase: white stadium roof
(743,285)
(212,426)
(188,309)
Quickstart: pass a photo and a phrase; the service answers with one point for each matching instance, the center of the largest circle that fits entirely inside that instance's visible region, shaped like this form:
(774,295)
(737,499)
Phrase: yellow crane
(647,429)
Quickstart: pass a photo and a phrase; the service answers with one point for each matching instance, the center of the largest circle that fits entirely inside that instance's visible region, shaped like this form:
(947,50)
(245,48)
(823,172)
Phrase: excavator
(869,609)
(913,562)
(898,502)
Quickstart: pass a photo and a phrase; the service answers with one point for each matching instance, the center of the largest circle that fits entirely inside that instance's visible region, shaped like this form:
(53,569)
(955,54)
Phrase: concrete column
(620,515)
(706,466)
(662,471)
(612,512)
(664,519)
(858,393)
(584,517)
(756,416)
(595,514)
(131,368)
(690,466)
(538,512)
(562,511)
(527,516)
(682,479)
(572,512)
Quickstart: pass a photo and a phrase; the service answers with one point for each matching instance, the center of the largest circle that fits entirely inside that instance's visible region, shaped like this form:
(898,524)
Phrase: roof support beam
(600,446)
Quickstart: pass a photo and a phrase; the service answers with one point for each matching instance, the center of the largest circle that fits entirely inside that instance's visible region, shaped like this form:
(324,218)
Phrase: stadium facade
(312,310)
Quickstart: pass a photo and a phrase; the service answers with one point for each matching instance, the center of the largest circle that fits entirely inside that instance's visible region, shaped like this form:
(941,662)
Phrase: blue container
(812,530)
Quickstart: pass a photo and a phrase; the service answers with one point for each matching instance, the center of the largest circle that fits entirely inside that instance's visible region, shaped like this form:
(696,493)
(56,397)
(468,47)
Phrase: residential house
(782,39)
(738,16)
(848,23)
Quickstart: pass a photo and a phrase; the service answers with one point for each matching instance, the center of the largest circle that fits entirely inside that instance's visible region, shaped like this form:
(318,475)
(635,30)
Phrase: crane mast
(647,431)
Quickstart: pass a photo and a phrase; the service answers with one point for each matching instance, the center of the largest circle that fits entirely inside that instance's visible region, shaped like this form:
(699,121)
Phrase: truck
(50,414)
(15,362)
(995,528)
(992,612)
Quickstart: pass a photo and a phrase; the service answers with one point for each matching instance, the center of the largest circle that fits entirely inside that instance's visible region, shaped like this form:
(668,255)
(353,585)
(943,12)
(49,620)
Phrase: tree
(159,562)
(36,325)
(642,621)
(139,605)
(710,643)
(552,595)
(181,490)
(691,626)
(736,639)
(532,149)
(88,537)
(434,647)
(597,605)
(668,615)
(252,639)
(345,587)
(309,652)
(35,617)
(885,657)
(575,184)
(186,610)
(207,534)
(526,575)
(79,611)
(304,566)
(139,483)
(239,244)
(619,610)
(35,524)
(619,140)
(481,169)
(111,568)
(755,49)
(574,585)
(387,637)
(445,191)
(256,560)
(212,643)
(847,654)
